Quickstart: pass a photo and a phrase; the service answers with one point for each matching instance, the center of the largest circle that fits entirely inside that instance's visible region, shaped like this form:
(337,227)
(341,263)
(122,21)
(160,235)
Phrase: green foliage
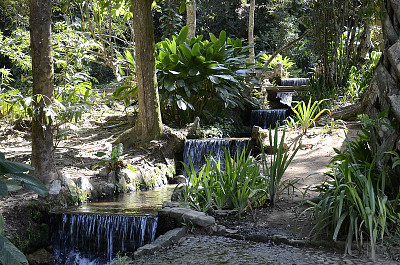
(286,62)
(307,114)
(360,77)
(113,161)
(73,88)
(201,78)
(341,46)
(242,182)
(127,69)
(352,202)
(171,22)
(274,167)
(12,175)
(229,188)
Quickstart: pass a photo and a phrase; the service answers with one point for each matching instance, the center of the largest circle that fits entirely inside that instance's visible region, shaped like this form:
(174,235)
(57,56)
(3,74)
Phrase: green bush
(242,182)
(201,78)
(352,202)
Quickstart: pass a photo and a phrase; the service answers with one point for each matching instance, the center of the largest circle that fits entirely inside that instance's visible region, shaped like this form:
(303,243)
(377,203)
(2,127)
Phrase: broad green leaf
(169,84)
(213,38)
(214,79)
(186,51)
(174,58)
(181,104)
(13,167)
(31,182)
(182,35)
(222,36)
(3,189)
(182,6)
(196,50)
(193,72)
(200,59)
(9,254)
(173,47)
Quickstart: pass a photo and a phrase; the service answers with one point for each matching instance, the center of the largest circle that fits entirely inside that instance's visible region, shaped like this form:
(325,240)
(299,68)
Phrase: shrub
(352,202)
(201,78)
(229,188)
(242,182)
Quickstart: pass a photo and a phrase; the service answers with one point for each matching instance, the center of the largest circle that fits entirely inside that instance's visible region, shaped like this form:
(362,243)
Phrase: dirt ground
(75,157)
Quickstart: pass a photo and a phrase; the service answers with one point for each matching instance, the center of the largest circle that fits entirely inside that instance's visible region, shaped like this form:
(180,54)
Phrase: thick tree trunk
(191,18)
(42,70)
(383,93)
(148,125)
(251,29)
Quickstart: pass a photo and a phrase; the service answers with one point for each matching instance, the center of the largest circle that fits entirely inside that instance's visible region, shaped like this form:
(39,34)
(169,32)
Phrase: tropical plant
(360,77)
(113,160)
(201,78)
(353,201)
(307,114)
(286,62)
(274,167)
(12,177)
(234,185)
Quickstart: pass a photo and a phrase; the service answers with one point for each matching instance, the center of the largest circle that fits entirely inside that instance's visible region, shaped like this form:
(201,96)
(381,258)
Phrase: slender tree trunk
(383,93)
(42,70)
(148,125)
(191,19)
(251,29)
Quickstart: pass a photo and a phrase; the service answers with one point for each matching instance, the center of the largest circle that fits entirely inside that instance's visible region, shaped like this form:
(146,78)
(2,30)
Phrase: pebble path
(204,250)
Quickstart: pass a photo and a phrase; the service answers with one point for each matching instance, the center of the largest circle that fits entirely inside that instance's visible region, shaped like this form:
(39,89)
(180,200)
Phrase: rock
(55,187)
(198,218)
(40,257)
(257,134)
(219,230)
(231,231)
(194,130)
(171,204)
(67,181)
(188,216)
(84,184)
(179,179)
(225,212)
(279,239)
(169,238)
(103,173)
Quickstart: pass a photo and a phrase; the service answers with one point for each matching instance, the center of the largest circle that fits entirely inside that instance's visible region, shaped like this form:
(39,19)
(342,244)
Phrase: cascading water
(199,149)
(267,118)
(96,239)
(294,81)
(285,98)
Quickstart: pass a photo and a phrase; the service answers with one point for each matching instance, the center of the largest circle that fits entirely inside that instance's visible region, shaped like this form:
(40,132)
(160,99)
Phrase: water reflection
(133,203)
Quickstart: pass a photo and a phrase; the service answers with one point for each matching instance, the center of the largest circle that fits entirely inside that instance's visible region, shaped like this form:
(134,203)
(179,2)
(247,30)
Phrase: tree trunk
(148,125)
(383,93)
(251,29)
(191,18)
(42,71)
